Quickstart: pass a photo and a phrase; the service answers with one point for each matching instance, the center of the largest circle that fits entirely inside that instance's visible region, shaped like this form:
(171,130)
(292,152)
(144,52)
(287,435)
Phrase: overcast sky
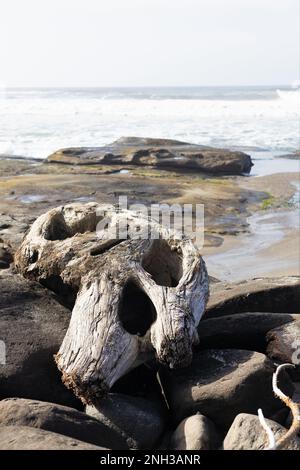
(148,42)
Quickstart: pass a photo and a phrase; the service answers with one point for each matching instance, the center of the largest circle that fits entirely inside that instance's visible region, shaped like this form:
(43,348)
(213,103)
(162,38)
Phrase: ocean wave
(289,95)
(147,93)
(37,122)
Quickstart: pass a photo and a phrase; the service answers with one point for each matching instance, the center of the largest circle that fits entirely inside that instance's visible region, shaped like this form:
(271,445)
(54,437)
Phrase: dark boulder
(195,433)
(279,295)
(241,330)
(221,384)
(246,433)
(58,419)
(32,327)
(26,438)
(138,423)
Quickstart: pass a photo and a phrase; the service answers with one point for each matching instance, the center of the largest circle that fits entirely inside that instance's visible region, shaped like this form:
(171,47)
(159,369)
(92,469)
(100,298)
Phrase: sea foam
(36,122)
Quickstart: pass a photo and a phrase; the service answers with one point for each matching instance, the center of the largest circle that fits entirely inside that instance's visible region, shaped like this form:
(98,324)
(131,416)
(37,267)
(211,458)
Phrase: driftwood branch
(268,430)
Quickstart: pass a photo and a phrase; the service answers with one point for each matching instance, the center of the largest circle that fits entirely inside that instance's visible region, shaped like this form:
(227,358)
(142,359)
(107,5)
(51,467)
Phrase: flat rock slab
(221,384)
(26,438)
(58,419)
(138,423)
(196,432)
(32,327)
(161,153)
(246,433)
(281,294)
(241,330)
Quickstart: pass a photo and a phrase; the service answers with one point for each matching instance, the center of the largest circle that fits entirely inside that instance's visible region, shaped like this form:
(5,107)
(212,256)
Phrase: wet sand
(272,246)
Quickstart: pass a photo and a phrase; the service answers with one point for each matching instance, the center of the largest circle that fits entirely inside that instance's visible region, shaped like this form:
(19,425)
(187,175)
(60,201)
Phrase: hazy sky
(148,42)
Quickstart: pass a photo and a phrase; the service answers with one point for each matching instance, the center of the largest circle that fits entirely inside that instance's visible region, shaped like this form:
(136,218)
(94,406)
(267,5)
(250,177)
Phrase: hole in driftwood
(56,229)
(34,257)
(62,226)
(164,265)
(65,293)
(136,312)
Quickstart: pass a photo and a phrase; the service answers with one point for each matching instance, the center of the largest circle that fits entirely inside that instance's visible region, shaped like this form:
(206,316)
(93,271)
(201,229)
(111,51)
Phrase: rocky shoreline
(247,330)
(197,407)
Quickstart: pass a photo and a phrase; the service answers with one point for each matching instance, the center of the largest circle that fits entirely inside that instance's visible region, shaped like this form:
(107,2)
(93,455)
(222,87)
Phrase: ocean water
(263,121)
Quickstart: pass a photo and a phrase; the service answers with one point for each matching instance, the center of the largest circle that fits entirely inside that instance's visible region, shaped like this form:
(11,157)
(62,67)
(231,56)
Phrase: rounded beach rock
(195,433)
(284,346)
(241,330)
(278,294)
(221,384)
(32,326)
(246,433)
(139,423)
(26,438)
(59,419)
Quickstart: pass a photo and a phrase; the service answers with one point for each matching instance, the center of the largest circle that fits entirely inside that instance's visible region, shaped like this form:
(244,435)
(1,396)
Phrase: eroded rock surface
(160,153)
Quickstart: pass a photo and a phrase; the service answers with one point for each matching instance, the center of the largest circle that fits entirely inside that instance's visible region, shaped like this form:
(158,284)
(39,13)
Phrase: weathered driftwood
(131,297)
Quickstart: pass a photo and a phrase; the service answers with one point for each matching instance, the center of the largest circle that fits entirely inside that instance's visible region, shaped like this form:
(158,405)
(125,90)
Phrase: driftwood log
(131,298)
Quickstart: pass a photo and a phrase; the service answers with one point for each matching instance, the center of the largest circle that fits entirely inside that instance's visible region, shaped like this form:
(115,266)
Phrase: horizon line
(145,86)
